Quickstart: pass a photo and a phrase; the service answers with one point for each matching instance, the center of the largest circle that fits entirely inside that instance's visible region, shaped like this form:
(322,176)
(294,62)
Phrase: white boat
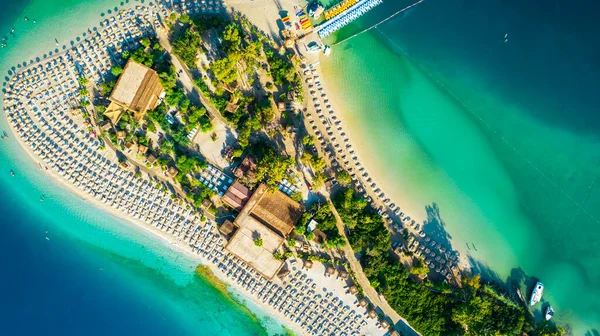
(536,294)
(549,313)
(327,50)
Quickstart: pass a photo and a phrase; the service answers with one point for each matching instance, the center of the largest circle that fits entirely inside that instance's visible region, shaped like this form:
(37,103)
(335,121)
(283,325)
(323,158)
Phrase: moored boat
(549,313)
(536,294)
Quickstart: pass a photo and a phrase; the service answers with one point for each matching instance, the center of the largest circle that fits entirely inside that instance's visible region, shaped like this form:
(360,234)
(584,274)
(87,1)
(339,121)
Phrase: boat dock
(341,20)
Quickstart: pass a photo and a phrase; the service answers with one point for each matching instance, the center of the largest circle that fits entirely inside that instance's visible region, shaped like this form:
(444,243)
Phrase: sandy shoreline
(172,241)
(163,236)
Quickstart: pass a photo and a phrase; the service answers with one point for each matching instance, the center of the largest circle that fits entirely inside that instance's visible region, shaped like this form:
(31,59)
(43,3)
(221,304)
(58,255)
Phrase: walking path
(186,78)
(378,301)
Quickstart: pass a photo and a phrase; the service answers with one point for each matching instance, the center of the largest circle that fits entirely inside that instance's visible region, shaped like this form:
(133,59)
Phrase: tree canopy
(116,70)
(186,47)
(224,70)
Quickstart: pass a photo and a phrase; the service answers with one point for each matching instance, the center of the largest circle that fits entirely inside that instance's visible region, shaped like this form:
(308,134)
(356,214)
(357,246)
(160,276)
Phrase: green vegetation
(258,242)
(82,81)
(186,47)
(343,178)
(308,140)
(224,70)
(145,42)
(281,69)
(327,224)
(472,310)
(318,180)
(116,70)
(106,88)
(418,268)
(270,165)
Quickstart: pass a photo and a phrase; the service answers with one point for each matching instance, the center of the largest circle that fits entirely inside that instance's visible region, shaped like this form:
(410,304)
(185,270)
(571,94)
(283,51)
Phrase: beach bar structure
(341,20)
(138,89)
(267,215)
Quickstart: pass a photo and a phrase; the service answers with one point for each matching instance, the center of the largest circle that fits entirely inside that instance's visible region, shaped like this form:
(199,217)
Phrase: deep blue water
(56,287)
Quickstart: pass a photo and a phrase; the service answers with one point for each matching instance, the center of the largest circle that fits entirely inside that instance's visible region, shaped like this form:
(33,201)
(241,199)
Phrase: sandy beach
(163,236)
(336,288)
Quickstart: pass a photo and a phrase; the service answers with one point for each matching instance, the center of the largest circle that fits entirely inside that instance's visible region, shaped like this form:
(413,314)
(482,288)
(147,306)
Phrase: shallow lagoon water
(95,274)
(497,139)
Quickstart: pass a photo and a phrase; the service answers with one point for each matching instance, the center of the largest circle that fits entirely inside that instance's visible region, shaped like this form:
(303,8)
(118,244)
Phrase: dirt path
(378,301)
(185,78)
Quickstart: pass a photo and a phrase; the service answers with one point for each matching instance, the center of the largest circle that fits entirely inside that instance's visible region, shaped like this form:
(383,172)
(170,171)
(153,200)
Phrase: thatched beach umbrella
(308,264)
(384,324)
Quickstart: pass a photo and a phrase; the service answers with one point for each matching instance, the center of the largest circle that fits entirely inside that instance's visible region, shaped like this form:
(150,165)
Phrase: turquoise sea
(96,275)
(492,143)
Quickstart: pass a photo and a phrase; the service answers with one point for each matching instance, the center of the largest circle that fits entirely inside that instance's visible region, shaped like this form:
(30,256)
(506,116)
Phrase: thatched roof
(172,171)
(151,159)
(372,313)
(270,216)
(343,274)
(138,89)
(363,302)
(114,112)
(330,270)
(228,228)
(246,168)
(394,333)
(121,135)
(353,289)
(276,209)
(105,126)
(283,273)
(319,236)
(308,264)
(384,324)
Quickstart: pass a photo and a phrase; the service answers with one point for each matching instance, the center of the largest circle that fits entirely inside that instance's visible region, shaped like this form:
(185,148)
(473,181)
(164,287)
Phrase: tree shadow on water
(434,227)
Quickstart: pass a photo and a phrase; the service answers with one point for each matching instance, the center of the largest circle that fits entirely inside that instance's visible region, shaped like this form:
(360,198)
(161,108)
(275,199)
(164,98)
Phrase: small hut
(172,172)
(372,314)
(283,273)
(363,302)
(308,264)
(121,135)
(394,333)
(330,270)
(105,126)
(142,149)
(151,159)
(353,289)
(342,273)
(228,229)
